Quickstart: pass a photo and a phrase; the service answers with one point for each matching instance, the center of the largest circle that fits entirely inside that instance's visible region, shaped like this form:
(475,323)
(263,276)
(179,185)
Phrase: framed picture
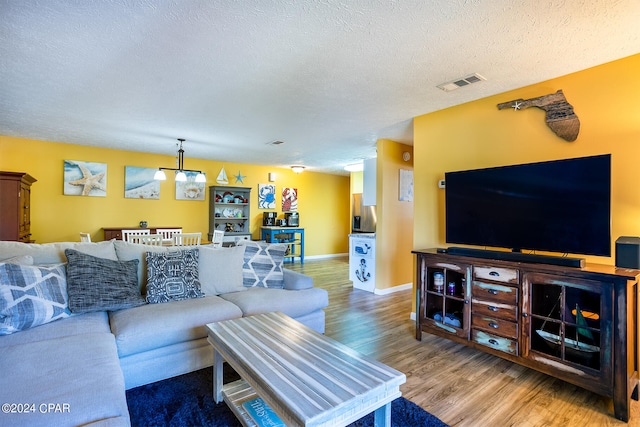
(139,183)
(405,193)
(85,179)
(190,189)
(289,199)
(266,196)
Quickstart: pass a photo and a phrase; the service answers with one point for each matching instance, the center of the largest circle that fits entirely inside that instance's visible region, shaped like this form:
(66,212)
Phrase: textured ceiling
(327,77)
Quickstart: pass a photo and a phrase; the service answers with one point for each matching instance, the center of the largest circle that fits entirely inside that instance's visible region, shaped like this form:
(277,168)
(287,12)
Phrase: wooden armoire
(15,206)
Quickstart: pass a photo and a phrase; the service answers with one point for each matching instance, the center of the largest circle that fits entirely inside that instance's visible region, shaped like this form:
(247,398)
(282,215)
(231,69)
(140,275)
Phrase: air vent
(458,83)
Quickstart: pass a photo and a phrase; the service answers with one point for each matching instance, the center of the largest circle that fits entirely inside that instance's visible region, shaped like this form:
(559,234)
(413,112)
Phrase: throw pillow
(31,296)
(172,276)
(20,259)
(263,264)
(100,284)
(127,251)
(220,269)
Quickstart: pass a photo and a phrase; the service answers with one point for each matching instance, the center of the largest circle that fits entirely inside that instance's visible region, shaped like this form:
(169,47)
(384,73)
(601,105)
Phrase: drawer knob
(494,274)
(492,308)
(494,325)
(493,342)
(492,291)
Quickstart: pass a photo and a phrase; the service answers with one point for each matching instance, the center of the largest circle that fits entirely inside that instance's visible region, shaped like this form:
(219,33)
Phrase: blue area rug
(187,401)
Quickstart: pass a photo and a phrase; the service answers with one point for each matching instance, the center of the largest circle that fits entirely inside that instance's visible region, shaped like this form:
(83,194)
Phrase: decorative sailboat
(222,177)
(573,346)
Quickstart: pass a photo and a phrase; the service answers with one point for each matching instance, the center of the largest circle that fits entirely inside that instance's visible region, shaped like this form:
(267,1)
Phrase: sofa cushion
(98,284)
(263,264)
(76,324)
(53,253)
(292,303)
(158,325)
(172,276)
(127,251)
(220,269)
(31,296)
(79,371)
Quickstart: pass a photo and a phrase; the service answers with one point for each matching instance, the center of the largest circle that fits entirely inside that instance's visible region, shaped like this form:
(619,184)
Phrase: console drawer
(497,310)
(497,274)
(495,342)
(501,327)
(492,292)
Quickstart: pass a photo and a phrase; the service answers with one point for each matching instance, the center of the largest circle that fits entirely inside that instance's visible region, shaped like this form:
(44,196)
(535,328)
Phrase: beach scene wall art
(85,179)
(190,189)
(139,183)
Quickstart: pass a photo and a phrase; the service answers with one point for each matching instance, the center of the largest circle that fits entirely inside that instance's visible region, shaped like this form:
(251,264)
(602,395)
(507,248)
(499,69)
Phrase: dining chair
(186,239)
(167,233)
(85,237)
(151,239)
(218,237)
(127,234)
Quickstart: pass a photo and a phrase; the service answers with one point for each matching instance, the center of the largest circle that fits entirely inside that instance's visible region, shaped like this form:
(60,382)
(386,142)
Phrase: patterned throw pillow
(263,264)
(20,259)
(100,284)
(31,296)
(172,276)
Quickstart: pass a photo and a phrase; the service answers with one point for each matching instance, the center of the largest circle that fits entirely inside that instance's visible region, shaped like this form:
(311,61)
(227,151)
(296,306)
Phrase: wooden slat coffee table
(307,378)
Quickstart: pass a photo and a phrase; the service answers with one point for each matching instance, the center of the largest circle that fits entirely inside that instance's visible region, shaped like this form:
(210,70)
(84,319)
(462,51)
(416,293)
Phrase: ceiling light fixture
(181,176)
(354,167)
(297,169)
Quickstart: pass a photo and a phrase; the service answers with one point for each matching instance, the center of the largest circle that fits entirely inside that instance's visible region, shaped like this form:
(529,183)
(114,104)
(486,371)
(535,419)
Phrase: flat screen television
(557,206)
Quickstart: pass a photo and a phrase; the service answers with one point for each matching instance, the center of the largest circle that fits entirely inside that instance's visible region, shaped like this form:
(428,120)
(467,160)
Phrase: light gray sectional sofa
(77,328)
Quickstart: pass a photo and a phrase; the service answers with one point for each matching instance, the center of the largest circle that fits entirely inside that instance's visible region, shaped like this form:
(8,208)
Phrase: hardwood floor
(459,385)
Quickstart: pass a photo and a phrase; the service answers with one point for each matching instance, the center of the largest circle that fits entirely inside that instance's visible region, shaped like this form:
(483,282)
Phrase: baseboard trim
(399,288)
(306,257)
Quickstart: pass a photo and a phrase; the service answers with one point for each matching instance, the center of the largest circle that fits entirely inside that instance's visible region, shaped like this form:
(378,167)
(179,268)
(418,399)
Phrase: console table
(295,241)
(578,324)
(116,232)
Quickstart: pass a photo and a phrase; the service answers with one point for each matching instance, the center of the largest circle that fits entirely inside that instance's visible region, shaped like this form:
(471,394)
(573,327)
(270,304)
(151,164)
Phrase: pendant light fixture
(181,176)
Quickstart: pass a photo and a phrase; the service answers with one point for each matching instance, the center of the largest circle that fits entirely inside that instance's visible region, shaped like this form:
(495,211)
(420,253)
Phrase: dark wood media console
(576,324)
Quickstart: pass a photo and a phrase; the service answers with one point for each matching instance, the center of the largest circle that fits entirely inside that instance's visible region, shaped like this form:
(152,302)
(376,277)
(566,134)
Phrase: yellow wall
(394,237)
(477,134)
(323,199)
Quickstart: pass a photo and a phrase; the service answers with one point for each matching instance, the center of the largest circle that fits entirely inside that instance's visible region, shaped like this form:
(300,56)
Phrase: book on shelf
(261,413)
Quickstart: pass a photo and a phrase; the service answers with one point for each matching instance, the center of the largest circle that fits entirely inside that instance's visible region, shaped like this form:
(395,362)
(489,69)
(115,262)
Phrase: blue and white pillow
(263,264)
(31,296)
(172,276)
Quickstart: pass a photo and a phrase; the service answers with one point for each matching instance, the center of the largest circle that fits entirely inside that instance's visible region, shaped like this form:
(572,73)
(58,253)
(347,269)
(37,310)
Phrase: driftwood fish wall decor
(560,116)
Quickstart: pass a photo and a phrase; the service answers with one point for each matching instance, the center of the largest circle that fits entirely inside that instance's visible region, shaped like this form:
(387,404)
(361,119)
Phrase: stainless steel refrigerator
(364,217)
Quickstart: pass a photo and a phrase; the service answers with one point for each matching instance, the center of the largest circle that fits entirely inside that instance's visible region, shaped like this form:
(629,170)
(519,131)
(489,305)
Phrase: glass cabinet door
(564,321)
(446,297)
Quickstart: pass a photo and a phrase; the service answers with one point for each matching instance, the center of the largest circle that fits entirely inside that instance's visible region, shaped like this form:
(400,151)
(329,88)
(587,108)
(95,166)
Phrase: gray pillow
(220,269)
(172,276)
(100,284)
(31,296)
(263,264)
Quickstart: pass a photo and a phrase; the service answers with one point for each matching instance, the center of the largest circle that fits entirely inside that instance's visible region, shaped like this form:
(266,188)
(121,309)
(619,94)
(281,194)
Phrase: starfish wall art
(85,178)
